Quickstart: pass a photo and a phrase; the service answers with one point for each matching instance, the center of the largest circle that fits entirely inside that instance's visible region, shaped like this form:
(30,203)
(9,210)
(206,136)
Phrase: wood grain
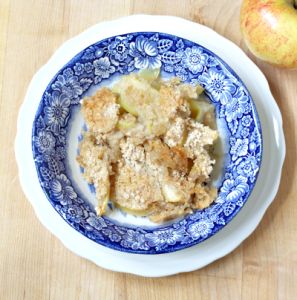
(35,265)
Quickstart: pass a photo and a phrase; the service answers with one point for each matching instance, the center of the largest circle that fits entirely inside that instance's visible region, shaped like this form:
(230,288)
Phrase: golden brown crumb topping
(145,148)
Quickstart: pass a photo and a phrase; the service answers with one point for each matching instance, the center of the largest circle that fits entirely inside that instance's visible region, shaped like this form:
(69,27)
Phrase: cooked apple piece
(135,212)
(150,75)
(169,211)
(190,91)
(102,193)
(127,105)
(149,125)
(171,193)
(199,89)
(194,107)
(204,108)
(210,119)
(199,108)
(134,94)
(126,122)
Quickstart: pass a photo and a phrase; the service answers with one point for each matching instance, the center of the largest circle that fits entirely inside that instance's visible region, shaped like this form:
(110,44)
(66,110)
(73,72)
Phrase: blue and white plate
(58,123)
(51,178)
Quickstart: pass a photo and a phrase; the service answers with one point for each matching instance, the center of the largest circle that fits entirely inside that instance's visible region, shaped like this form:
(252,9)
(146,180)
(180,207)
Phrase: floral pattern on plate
(177,57)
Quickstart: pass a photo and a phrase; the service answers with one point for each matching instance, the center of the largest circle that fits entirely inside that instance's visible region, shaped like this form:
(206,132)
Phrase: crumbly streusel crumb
(149,155)
(176,132)
(101,111)
(133,155)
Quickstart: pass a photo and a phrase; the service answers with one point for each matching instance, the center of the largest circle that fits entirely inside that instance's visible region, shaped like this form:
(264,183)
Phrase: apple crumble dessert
(149,146)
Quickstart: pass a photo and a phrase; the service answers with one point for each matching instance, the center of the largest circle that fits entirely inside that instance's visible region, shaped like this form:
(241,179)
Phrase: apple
(269,29)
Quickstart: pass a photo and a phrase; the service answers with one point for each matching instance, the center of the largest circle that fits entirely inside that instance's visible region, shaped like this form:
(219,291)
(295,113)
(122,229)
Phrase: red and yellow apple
(269,29)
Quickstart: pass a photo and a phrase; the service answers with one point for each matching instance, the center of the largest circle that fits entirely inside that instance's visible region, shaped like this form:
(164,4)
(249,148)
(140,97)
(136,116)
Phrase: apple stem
(295,3)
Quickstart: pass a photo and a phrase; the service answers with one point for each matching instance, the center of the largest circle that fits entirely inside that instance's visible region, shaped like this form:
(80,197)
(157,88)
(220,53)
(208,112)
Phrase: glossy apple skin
(269,29)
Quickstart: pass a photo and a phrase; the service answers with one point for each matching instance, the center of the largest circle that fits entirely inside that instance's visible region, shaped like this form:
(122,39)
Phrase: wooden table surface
(35,265)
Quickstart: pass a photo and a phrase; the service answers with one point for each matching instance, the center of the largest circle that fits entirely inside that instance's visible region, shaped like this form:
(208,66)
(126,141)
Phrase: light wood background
(35,265)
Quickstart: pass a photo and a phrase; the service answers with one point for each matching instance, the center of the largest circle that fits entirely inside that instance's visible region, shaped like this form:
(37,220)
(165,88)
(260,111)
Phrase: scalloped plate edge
(185,260)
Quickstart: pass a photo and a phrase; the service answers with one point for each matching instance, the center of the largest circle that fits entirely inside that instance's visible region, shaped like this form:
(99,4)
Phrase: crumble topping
(176,133)
(147,147)
(133,155)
